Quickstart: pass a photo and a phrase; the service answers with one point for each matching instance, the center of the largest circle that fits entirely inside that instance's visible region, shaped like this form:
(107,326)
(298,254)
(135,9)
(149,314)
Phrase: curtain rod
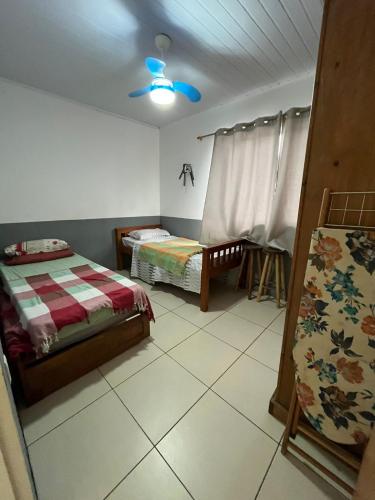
(298,111)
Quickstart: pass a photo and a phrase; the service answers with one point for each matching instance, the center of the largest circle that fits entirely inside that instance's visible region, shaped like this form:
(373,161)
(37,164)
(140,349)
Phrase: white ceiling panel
(92,51)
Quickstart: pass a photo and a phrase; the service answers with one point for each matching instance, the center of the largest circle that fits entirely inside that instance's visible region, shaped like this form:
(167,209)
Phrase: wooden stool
(251,252)
(274,258)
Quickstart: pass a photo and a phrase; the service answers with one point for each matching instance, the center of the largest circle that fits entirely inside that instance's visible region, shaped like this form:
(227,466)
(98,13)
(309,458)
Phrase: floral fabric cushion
(334,348)
(35,246)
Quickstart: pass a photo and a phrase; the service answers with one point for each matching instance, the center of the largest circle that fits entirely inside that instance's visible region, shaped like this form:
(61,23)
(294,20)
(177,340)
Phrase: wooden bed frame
(40,377)
(216,259)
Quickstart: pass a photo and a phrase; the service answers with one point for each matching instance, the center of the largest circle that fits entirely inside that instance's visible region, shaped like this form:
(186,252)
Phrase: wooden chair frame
(335,211)
(295,425)
(216,259)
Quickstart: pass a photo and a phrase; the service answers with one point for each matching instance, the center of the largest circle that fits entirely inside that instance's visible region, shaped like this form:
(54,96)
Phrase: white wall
(178,143)
(61,160)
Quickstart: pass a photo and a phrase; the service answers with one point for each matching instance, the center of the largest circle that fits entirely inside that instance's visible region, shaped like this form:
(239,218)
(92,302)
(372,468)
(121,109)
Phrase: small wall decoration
(187,169)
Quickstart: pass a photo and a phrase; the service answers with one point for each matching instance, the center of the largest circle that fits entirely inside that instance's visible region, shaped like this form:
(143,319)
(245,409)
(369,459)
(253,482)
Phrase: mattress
(98,320)
(190,279)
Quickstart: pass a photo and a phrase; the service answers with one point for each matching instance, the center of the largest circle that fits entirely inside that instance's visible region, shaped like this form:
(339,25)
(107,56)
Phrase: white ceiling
(92,51)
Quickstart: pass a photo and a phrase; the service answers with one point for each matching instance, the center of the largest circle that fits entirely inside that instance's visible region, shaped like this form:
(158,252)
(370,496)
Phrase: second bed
(212,261)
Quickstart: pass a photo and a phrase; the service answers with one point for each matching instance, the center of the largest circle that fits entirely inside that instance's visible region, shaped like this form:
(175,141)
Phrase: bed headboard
(120,232)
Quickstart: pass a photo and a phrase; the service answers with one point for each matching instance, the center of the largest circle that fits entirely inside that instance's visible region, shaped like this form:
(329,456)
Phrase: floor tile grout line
(170,349)
(161,315)
(162,352)
(266,473)
(184,367)
(158,357)
(209,388)
(174,473)
(135,373)
(213,335)
(221,375)
(182,416)
(126,475)
(261,362)
(133,417)
(195,376)
(201,327)
(167,308)
(197,326)
(111,388)
(225,342)
(245,416)
(68,418)
(264,326)
(154,446)
(163,436)
(188,337)
(273,331)
(228,310)
(249,320)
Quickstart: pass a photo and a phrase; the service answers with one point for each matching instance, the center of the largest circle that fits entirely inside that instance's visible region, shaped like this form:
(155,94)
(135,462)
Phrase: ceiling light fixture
(162,91)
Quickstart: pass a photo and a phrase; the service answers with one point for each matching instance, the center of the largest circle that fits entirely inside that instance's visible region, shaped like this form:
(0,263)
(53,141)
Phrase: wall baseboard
(92,238)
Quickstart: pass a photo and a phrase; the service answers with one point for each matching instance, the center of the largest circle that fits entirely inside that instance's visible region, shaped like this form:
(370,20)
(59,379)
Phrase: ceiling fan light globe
(162,95)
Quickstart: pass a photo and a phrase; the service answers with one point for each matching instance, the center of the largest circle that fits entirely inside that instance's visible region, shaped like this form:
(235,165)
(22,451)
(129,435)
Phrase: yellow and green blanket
(171,255)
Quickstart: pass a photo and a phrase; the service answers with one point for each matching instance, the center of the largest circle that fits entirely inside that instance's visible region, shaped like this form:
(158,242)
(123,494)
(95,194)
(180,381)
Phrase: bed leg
(205,281)
(205,290)
(120,261)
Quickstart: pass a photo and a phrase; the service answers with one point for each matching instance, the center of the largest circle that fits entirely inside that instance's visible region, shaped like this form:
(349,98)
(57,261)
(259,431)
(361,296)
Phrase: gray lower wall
(191,228)
(92,238)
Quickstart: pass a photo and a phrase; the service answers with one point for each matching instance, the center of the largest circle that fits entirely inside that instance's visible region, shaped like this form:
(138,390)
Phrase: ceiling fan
(162,90)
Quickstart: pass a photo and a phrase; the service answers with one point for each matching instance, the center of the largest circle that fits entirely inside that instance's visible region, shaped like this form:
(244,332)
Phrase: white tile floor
(182,415)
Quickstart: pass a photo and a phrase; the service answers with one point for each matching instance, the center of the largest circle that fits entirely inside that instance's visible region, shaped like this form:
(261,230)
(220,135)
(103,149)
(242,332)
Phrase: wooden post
(277,278)
(250,273)
(205,280)
(263,277)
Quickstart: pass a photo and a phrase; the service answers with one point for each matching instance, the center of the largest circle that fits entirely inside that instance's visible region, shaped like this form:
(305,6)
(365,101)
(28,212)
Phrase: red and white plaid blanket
(17,340)
(47,302)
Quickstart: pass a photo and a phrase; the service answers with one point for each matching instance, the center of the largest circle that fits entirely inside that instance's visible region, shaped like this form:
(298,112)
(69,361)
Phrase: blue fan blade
(155,66)
(139,92)
(191,92)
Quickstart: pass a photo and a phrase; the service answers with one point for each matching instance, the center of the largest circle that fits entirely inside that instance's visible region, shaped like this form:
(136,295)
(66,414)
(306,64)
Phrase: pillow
(38,257)
(148,234)
(35,246)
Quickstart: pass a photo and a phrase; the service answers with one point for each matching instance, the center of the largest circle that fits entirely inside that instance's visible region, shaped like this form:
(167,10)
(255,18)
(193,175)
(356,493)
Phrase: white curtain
(241,182)
(285,202)
(255,181)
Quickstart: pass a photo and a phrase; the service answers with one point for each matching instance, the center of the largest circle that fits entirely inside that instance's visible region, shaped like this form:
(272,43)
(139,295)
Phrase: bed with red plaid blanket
(45,303)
